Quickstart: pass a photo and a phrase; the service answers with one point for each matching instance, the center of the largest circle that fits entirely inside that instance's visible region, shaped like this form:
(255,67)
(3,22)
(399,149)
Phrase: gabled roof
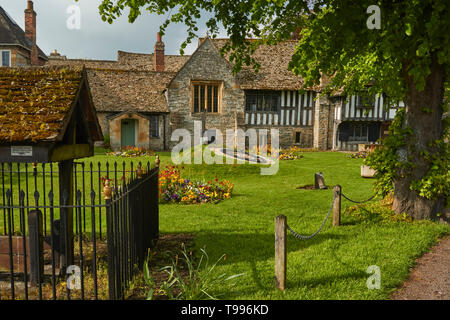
(12,34)
(196,52)
(128,90)
(274,73)
(37,103)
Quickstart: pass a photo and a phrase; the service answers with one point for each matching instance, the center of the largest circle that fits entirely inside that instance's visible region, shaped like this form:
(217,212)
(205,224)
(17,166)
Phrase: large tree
(399,48)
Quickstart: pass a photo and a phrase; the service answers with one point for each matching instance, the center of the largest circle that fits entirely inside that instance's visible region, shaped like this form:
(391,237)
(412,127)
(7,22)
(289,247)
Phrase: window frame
(299,135)
(362,98)
(363,132)
(154,119)
(10,58)
(264,94)
(206,98)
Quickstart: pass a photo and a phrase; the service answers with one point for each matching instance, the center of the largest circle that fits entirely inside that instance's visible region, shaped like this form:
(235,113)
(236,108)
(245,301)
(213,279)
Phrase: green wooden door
(128,128)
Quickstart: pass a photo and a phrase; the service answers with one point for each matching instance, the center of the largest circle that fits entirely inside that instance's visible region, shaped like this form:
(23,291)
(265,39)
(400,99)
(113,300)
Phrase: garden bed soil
(167,247)
(307,187)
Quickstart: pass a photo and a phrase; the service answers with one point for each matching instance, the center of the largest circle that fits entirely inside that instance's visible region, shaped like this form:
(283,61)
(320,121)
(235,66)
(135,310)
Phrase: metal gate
(114,219)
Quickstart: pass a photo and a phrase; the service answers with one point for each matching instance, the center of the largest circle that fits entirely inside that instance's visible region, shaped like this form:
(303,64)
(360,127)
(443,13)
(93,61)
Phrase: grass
(331,265)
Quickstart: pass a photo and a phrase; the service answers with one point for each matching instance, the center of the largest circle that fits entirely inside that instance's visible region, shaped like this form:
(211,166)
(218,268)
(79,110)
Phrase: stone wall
(144,139)
(142,134)
(287,135)
(324,110)
(19,56)
(206,64)
(157,144)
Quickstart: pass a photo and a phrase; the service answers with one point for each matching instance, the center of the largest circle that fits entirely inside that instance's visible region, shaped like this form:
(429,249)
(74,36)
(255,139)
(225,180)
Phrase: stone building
(18,47)
(206,90)
(128,94)
(141,98)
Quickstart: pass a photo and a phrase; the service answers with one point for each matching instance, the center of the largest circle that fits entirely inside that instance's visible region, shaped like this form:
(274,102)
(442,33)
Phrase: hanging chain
(303,237)
(358,201)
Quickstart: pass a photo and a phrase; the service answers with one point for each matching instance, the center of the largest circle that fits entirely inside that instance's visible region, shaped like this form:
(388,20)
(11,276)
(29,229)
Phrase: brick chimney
(30,32)
(159,54)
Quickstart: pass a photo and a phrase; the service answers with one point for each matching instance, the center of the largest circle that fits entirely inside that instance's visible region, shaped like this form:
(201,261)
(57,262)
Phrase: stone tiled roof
(143,61)
(12,34)
(110,64)
(128,84)
(128,90)
(35,102)
(274,73)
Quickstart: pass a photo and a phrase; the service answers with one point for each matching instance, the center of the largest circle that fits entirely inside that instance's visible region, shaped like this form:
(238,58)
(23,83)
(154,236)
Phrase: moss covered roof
(35,102)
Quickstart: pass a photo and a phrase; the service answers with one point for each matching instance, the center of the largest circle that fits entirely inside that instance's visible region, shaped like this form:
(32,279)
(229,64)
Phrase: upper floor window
(6,58)
(206,97)
(364,101)
(262,101)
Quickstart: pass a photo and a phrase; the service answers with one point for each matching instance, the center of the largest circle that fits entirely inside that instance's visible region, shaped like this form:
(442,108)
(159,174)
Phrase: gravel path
(430,277)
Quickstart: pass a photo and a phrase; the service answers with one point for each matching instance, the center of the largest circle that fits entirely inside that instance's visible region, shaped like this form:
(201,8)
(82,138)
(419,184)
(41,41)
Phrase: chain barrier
(303,237)
(358,201)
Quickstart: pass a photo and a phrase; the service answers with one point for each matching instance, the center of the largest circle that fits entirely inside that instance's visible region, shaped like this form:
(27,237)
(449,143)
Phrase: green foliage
(106,141)
(376,212)
(436,182)
(385,160)
(198,282)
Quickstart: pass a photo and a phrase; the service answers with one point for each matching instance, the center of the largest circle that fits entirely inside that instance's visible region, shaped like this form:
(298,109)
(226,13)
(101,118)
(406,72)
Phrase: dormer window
(6,58)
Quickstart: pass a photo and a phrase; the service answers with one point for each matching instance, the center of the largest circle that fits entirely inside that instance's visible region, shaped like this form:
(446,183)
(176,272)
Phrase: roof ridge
(129,70)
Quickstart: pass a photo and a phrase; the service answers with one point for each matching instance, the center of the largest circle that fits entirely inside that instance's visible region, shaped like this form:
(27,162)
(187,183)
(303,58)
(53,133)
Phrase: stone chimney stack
(30,32)
(159,54)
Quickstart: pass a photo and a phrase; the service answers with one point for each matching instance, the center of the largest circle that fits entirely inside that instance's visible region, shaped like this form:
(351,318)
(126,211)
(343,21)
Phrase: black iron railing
(112,221)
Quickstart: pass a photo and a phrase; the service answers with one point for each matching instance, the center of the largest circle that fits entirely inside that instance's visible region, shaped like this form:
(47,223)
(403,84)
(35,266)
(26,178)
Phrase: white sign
(21,151)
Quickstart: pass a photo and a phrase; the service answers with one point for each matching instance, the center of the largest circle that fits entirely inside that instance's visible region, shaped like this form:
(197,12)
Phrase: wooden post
(337,206)
(36,245)
(280,252)
(157,161)
(66,190)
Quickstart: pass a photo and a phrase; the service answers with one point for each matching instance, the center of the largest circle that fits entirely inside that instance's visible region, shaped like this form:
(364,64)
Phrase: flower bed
(358,155)
(283,154)
(290,154)
(173,188)
(131,152)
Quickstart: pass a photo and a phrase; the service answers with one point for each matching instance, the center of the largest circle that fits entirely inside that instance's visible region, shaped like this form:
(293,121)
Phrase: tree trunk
(424,116)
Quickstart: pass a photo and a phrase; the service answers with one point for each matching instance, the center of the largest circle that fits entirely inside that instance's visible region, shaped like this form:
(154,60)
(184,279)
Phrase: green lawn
(332,265)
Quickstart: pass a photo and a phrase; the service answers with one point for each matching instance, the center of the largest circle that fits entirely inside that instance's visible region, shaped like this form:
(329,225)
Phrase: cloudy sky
(96,39)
